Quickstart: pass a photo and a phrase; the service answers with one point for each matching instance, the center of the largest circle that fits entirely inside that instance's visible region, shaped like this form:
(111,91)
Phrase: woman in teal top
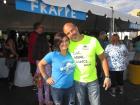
(137,49)
(61,79)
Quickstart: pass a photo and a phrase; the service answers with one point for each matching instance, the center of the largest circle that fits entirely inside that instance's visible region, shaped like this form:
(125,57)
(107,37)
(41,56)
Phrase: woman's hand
(50,81)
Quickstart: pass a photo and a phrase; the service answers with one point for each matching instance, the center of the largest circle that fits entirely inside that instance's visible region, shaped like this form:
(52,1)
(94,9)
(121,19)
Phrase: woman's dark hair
(41,47)
(12,35)
(58,39)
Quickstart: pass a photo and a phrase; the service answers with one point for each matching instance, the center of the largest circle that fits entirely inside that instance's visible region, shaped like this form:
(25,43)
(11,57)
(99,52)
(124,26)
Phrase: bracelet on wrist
(46,77)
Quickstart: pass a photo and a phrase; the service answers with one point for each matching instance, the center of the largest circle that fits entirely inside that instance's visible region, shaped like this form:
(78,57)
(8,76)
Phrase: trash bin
(134,74)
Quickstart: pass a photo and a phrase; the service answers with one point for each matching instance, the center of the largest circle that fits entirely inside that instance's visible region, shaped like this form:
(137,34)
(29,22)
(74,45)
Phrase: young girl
(61,79)
(42,87)
(41,48)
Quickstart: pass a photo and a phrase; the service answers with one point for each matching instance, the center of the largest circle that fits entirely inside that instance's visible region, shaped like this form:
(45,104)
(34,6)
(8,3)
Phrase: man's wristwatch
(107,77)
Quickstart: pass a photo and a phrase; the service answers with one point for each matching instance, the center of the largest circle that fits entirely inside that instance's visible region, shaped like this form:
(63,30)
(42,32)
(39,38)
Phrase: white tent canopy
(98,18)
(126,17)
(81,5)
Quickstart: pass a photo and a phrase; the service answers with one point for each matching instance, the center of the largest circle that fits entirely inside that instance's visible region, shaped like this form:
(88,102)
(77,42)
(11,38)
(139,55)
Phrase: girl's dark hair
(58,39)
(41,47)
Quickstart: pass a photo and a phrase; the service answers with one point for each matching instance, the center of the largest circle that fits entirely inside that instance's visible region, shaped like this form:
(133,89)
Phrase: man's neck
(78,38)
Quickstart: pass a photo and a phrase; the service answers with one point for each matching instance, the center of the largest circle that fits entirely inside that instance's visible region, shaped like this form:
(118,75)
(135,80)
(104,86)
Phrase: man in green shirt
(84,49)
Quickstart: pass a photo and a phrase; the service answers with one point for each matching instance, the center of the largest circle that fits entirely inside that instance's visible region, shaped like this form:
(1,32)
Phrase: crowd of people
(71,71)
(73,66)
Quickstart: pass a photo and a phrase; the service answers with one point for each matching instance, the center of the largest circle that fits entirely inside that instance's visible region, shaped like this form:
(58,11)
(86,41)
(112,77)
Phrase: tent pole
(111,22)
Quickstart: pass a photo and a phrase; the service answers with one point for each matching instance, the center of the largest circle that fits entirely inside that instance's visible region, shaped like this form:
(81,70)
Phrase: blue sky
(119,5)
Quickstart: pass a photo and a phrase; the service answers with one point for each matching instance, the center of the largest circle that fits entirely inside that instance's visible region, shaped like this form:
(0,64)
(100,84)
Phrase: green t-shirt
(84,54)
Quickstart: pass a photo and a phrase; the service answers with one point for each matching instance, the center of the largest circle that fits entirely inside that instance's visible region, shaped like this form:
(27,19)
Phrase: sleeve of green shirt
(99,49)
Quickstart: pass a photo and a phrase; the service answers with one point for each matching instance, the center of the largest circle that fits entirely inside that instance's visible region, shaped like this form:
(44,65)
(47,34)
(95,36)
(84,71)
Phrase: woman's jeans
(87,91)
(63,96)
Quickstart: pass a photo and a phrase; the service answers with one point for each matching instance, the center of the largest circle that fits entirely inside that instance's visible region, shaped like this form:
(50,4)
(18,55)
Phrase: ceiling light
(4,1)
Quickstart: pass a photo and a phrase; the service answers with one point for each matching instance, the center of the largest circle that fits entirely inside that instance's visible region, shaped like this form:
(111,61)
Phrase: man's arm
(107,81)
(104,64)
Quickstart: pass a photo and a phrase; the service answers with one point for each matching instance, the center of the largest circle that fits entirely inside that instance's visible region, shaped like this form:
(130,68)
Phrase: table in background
(3,68)
(23,76)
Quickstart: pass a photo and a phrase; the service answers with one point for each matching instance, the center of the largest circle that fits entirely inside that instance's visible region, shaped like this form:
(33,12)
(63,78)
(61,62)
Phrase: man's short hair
(35,26)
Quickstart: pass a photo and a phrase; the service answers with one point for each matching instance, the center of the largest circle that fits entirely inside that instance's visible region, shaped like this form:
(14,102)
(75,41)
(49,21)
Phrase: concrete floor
(26,95)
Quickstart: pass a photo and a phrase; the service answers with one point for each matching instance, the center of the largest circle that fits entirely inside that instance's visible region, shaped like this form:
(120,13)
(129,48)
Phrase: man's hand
(107,83)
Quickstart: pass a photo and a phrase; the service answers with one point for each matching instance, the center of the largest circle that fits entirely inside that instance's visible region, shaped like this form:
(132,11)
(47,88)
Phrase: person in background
(2,40)
(136,42)
(41,48)
(103,39)
(38,30)
(83,49)
(126,42)
(25,48)
(61,79)
(20,45)
(117,56)
(11,56)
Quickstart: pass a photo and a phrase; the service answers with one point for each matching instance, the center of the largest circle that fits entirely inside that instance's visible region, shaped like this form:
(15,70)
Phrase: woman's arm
(12,47)
(41,66)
